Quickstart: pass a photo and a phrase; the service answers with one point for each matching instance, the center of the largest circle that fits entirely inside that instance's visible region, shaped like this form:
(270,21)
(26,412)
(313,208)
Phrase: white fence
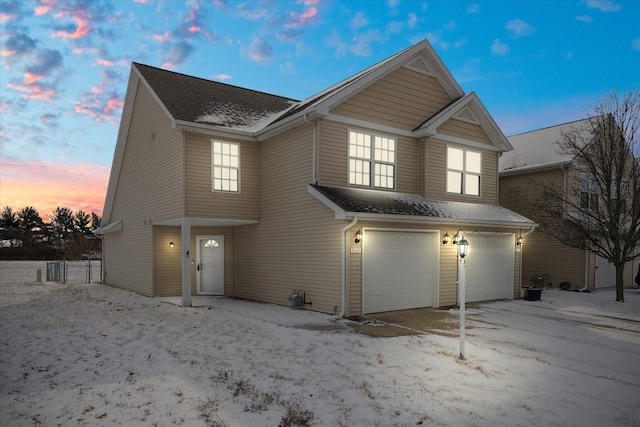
(76,272)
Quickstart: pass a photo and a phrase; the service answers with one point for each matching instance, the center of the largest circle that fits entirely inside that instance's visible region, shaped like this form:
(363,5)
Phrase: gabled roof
(387,205)
(190,99)
(467,108)
(539,149)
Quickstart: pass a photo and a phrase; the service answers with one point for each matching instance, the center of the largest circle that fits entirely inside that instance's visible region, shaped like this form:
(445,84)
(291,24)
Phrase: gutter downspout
(314,162)
(565,183)
(343,302)
(586,270)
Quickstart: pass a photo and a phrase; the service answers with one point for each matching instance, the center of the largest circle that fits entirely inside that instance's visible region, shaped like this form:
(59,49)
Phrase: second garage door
(400,270)
(489,267)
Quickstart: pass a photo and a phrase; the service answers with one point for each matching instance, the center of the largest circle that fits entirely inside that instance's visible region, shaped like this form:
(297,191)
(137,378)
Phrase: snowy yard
(95,355)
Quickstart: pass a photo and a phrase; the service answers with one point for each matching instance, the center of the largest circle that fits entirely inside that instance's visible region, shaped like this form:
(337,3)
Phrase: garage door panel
(490,267)
(400,270)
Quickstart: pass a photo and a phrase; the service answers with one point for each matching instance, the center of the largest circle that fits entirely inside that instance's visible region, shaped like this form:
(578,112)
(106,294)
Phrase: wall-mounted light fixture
(519,241)
(463,247)
(171,244)
(358,236)
(446,238)
(455,239)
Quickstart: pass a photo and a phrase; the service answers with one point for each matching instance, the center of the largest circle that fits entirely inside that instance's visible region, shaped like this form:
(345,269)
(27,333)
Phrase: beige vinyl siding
(297,243)
(332,157)
(464,130)
(354,274)
(168,265)
(542,254)
(436,171)
(448,271)
(201,201)
(403,99)
(149,190)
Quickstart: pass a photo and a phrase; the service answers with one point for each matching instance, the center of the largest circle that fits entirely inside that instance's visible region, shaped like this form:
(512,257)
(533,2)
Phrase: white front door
(210,267)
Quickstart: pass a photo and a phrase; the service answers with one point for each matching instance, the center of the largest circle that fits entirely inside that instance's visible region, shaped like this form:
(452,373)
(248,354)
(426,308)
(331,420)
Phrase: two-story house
(537,160)
(354,196)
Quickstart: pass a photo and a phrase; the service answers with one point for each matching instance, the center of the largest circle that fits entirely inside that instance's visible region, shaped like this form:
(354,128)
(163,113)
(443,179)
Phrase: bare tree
(599,209)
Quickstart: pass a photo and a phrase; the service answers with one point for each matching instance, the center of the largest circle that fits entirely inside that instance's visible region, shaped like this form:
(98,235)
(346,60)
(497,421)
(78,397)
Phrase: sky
(65,64)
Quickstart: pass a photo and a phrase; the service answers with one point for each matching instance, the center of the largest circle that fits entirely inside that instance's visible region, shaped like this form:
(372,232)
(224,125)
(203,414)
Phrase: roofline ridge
(217,82)
(551,126)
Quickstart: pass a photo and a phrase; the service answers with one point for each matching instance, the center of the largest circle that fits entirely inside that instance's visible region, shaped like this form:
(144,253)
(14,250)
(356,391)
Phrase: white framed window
(372,155)
(225,166)
(464,170)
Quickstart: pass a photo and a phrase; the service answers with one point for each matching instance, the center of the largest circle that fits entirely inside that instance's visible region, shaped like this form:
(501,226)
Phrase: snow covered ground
(95,355)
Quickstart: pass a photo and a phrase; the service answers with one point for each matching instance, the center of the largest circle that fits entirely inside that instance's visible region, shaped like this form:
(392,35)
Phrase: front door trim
(220,239)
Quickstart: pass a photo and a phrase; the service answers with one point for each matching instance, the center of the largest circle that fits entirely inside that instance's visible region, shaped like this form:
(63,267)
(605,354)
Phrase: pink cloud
(33,91)
(7,52)
(222,77)
(47,185)
(30,78)
(42,10)
(297,20)
(82,29)
(6,17)
(194,29)
(162,38)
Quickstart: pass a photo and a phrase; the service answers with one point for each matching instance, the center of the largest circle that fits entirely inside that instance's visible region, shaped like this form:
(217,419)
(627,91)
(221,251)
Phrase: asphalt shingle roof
(192,99)
(364,201)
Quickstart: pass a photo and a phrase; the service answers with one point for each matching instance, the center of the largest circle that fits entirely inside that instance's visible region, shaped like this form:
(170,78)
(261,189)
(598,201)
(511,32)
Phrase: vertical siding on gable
(149,189)
(403,99)
(201,201)
(332,157)
(436,171)
(297,243)
(464,130)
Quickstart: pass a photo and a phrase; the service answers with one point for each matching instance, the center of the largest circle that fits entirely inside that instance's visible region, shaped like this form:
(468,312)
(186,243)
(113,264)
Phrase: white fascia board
(487,123)
(213,130)
(339,212)
(155,96)
(537,168)
(424,219)
(369,125)
(109,228)
(121,142)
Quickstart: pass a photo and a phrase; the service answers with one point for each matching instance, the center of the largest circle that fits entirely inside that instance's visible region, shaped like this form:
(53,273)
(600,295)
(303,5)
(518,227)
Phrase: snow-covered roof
(386,205)
(195,100)
(539,148)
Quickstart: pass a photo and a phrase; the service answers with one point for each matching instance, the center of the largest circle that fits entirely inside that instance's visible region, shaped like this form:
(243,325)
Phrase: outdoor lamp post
(463,250)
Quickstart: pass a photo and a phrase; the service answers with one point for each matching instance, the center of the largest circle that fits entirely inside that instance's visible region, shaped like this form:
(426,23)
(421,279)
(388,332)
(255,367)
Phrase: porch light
(358,236)
(171,244)
(463,247)
(446,238)
(519,241)
(455,239)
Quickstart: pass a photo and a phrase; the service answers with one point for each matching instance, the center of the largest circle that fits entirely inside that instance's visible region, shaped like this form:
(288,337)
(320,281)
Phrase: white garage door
(400,270)
(489,268)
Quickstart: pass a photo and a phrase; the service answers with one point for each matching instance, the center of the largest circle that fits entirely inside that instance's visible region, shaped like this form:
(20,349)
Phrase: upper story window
(588,192)
(372,155)
(225,166)
(463,171)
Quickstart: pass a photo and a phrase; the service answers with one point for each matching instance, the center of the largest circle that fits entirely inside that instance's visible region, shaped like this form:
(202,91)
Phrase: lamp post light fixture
(463,250)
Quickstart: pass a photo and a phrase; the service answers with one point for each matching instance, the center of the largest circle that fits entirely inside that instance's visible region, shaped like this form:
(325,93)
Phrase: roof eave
(537,168)
(438,220)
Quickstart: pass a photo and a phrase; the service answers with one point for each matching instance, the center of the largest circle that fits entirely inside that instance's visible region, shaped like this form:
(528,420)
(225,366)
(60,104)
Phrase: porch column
(186,264)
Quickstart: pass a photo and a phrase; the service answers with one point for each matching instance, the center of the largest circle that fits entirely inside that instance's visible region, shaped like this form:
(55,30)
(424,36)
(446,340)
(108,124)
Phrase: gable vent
(420,66)
(466,115)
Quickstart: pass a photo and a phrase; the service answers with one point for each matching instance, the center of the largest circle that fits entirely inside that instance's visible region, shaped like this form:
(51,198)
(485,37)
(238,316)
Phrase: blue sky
(65,64)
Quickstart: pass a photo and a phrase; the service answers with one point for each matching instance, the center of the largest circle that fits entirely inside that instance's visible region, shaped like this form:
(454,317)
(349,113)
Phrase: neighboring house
(537,159)
(346,196)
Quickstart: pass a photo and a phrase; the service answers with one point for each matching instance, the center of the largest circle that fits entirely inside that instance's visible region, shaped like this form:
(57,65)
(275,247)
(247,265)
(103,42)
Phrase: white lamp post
(463,250)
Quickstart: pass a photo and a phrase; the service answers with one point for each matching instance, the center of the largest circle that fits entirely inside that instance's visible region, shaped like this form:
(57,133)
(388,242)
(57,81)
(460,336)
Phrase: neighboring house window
(588,192)
(372,155)
(225,168)
(463,171)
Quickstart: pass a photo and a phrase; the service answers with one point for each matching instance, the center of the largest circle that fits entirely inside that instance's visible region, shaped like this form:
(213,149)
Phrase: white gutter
(314,161)
(343,302)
